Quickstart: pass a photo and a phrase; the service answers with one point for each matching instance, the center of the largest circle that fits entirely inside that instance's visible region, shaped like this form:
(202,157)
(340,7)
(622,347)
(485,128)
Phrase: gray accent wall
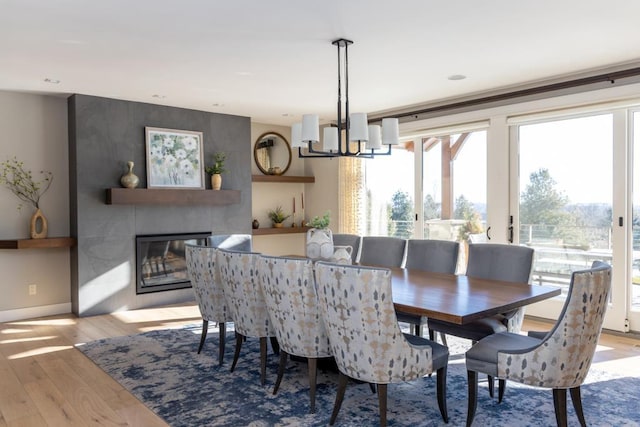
(103,135)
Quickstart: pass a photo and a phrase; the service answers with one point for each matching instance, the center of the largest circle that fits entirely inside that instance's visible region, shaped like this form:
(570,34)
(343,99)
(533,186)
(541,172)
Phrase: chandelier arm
(346,108)
(339,121)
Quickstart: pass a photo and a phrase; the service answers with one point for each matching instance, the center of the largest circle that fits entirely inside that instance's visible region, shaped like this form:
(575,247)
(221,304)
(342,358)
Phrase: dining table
(461,299)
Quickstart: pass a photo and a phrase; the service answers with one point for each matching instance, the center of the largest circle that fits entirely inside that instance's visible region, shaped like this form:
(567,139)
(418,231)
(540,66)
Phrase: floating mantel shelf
(284,230)
(169,196)
(283,178)
(51,242)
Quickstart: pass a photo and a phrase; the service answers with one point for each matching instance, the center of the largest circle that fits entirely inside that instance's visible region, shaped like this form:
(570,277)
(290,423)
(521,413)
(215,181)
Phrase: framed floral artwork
(174,158)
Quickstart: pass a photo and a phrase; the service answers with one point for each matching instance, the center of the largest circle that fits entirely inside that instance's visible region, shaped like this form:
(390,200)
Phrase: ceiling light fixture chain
(349,129)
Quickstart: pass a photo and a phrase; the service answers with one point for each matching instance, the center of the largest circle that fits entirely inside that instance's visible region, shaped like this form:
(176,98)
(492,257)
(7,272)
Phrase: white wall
(34,129)
(266,196)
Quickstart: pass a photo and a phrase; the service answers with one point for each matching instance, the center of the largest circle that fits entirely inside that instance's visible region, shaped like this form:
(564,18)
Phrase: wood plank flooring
(45,381)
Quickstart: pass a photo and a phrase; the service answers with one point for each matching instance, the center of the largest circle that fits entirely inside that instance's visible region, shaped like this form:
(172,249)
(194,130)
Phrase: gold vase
(38,226)
(216,181)
(129,179)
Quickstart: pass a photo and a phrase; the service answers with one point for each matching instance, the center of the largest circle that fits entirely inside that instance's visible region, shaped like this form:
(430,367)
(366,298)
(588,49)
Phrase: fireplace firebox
(161,263)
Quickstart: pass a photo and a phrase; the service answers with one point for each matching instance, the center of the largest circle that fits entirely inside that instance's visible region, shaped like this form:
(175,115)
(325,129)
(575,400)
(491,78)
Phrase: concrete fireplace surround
(103,135)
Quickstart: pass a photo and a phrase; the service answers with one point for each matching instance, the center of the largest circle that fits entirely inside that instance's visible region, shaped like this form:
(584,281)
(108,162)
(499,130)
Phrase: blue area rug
(163,370)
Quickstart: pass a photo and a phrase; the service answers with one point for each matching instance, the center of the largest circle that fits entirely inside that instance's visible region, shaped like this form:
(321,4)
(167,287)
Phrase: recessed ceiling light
(72,41)
(52,81)
(457,77)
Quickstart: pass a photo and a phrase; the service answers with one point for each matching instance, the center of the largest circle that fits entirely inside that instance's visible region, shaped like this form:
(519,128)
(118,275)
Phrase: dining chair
(246,302)
(352,240)
(500,262)
(494,261)
(437,256)
(289,289)
(205,278)
(365,337)
(236,242)
(560,360)
(382,251)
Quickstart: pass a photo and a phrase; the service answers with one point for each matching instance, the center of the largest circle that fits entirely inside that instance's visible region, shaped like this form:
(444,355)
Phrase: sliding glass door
(564,200)
(633,258)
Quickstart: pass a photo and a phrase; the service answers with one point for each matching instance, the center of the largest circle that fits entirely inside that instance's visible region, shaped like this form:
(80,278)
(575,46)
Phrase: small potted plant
(216,169)
(320,222)
(277,216)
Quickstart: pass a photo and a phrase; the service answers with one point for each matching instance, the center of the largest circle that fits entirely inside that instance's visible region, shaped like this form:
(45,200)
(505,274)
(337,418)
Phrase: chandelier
(351,136)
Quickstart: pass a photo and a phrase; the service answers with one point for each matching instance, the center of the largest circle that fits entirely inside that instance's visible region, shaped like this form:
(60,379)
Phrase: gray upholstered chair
(235,242)
(438,256)
(382,251)
(292,303)
(500,262)
(561,359)
(352,240)
(509,263)
(366,339)
(205,279)
(245,301)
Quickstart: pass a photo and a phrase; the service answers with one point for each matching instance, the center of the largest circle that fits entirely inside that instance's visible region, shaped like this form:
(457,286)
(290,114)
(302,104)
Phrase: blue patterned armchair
(560,359)
(292,302)
(366,339)
(246,302)
(205,279)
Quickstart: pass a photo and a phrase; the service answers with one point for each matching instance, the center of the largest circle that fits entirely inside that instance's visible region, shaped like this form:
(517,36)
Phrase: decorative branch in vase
(22,184)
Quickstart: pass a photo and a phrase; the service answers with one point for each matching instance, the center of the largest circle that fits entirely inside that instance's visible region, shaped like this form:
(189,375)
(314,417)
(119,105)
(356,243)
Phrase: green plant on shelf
(320,222)
(218,164)
(277,215)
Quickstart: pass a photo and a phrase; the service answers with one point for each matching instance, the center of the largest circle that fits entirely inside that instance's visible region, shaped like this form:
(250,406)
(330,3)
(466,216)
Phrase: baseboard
(33,312)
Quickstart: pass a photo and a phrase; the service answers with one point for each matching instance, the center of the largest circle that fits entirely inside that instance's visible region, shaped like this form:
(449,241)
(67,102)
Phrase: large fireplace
(161,263)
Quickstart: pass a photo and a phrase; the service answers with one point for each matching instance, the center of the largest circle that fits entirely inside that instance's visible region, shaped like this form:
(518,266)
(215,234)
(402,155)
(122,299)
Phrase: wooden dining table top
(460,299)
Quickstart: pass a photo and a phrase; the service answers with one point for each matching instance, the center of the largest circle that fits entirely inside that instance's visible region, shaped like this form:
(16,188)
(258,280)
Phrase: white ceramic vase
(342,254)
(319,243)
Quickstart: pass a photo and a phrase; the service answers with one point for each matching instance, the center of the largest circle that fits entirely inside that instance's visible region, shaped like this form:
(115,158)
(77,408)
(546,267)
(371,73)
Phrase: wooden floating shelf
(168,196)
(283,178)
(51,242)
(283,230)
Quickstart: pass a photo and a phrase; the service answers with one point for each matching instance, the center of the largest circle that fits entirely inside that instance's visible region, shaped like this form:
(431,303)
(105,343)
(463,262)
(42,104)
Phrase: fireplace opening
(161,263)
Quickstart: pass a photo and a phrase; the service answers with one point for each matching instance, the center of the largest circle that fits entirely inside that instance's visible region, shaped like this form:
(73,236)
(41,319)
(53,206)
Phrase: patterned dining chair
(366,339)
(246,302)
(561,359)
(382,251)
(235,242)
(500,262)
(205,279)
(352,240)
(292,303)
(437,256)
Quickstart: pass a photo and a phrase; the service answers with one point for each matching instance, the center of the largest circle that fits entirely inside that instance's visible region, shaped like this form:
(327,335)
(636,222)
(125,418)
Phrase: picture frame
(175,158)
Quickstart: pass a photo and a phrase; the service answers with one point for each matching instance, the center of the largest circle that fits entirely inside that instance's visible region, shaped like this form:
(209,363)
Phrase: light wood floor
(45,381)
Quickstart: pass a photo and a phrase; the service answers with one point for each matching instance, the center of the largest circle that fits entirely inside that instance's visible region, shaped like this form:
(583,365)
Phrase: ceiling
(273,60)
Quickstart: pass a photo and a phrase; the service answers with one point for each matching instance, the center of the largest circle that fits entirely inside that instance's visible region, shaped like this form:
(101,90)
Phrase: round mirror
(272,153)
